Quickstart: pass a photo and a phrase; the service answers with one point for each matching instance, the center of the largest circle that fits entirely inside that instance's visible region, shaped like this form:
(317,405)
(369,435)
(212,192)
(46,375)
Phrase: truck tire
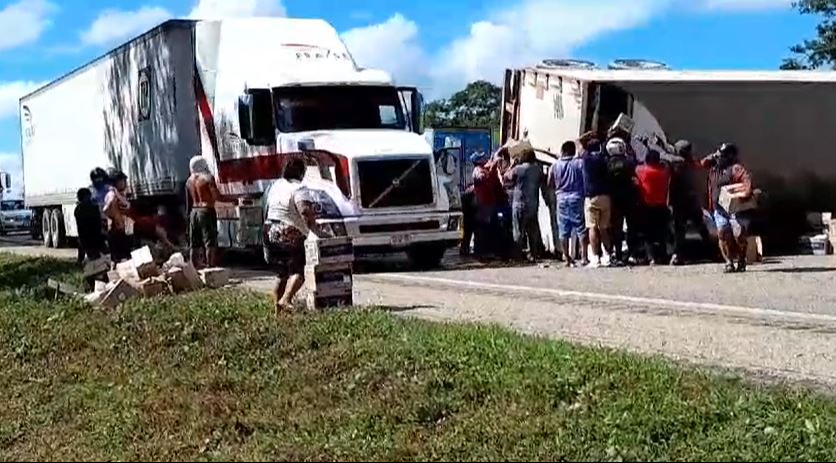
(46,231)
(426,257)
(59,237)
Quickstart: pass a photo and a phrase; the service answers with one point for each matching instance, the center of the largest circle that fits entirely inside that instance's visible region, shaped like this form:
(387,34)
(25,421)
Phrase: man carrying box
(730,187)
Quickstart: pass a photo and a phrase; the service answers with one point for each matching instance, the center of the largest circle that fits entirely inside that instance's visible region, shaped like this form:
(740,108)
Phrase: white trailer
(781,120)
(244,93)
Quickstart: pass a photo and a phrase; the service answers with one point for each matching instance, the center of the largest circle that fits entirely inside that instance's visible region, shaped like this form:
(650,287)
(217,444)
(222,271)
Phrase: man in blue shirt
(598,205)
(566,179)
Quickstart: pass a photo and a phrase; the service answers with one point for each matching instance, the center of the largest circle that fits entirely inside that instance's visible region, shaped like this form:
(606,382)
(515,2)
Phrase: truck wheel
(426,257)
(59,237)
(46,231)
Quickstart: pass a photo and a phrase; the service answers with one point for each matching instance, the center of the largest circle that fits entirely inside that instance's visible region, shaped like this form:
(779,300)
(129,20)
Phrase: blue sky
(438,45)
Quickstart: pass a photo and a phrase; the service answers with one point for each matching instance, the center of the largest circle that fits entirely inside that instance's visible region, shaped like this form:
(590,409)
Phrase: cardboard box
(215,278)
(193,276)
(754,250)
(154,287)
(142,256)
(733,202)
(329,251)
(118,295)
(96,267)
(178,281)
(316,302)
(130,271)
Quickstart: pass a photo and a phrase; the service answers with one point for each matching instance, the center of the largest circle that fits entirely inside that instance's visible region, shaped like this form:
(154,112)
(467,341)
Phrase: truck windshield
(302,109)
(11,205)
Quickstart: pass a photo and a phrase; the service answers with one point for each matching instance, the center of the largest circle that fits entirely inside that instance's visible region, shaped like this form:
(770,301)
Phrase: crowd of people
(108,224)
(601,197)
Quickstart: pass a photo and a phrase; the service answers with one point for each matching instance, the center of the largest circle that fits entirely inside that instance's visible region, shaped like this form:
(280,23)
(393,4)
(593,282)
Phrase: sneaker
(675,261)
(729,268)
(606,261)
(741,266)
(595,262)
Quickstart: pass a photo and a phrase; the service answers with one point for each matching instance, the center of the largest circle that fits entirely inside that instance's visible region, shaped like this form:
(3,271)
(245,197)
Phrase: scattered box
(818,245)
(329,251)
(154,287)
(142,256)
(215,278)
(754,250)
(118,295)
(178,281)
(113,276)
(191,274)
(96,267)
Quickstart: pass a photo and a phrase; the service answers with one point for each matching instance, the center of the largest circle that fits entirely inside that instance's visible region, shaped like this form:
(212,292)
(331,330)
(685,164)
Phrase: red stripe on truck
(208,119)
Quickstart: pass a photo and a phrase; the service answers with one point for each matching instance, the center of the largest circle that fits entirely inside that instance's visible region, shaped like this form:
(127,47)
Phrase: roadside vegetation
(213,376)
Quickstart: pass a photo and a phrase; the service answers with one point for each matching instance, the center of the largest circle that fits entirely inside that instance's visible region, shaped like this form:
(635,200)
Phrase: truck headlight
(454,223)
(333,229)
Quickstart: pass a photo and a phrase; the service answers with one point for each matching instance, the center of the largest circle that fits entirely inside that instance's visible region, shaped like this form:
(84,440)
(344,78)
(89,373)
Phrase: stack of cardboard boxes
(329,274)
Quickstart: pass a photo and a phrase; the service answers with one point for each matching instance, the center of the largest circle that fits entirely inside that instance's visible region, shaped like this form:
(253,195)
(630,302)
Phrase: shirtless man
(203,220)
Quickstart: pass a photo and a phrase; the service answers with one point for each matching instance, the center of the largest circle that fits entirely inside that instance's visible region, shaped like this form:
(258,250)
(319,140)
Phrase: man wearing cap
(726,171)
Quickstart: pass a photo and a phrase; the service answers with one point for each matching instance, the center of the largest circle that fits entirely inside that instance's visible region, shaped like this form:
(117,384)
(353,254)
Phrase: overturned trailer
(782,120)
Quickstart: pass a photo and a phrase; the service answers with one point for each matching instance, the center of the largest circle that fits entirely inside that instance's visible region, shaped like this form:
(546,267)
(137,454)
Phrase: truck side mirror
(5,181)
(255,117)
(412,97)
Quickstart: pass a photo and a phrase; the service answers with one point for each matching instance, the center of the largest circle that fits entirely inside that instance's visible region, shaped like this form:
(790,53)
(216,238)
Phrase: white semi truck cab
(303,94)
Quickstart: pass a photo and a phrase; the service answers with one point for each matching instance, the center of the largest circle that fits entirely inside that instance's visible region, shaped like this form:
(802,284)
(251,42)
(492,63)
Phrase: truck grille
(400,227)
(395,183)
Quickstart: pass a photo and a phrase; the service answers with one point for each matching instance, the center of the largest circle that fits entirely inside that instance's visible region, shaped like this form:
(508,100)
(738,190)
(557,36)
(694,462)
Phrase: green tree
(821,51)
(476,106)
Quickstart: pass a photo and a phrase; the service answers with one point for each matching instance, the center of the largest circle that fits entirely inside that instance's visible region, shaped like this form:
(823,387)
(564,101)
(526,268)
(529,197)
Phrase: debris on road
(142,277)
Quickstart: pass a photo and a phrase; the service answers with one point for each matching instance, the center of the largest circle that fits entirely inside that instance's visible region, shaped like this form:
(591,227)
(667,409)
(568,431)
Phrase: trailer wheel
(46,224)
(59,237)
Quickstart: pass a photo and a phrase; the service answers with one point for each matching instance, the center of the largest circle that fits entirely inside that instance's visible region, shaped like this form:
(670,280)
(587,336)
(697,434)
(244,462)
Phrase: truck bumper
(397,233)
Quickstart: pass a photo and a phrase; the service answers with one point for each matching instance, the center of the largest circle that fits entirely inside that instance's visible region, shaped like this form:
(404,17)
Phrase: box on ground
(215,278)
(154,287)
(121,292)
(754,250)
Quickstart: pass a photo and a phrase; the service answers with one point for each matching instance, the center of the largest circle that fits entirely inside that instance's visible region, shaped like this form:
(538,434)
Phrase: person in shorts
(566,179)
(203,219)
(598,204)
(726,170)
(291,216)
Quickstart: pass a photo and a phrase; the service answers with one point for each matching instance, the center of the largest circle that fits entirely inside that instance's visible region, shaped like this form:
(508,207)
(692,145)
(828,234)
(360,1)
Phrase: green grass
(213,376)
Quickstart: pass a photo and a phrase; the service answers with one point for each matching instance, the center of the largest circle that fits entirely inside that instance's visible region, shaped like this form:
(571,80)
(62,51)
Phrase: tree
(474,107)
(821,51)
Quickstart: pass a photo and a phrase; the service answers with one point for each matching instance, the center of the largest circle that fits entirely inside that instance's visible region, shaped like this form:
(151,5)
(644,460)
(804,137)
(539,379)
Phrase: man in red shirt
(654,184)
(487,192)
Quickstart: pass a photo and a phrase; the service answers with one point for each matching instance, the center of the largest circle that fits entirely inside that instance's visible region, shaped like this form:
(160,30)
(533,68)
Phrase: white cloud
(391,46)
(746,5)
(216,9)
(10,94)
(521,34)
(113,25)
(23,22)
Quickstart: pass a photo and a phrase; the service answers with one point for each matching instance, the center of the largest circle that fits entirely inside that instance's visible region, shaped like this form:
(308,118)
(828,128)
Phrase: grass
(213,376)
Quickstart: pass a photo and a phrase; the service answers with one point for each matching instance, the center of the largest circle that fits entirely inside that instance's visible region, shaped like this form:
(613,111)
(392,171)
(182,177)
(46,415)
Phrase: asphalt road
(778,320)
